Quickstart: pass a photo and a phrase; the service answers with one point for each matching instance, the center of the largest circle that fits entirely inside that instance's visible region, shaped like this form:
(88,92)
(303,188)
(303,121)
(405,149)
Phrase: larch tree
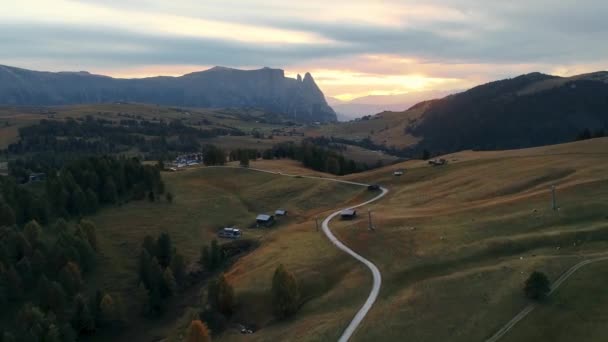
(198,332)
(285,293)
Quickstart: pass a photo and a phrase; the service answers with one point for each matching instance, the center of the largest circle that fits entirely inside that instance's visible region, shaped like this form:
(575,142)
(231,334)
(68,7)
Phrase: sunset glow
(352,48)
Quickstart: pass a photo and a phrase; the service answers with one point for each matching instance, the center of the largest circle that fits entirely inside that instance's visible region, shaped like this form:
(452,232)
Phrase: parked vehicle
(229,233)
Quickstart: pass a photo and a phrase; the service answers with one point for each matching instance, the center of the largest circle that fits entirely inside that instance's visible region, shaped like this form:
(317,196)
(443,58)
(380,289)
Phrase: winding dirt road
(377,277)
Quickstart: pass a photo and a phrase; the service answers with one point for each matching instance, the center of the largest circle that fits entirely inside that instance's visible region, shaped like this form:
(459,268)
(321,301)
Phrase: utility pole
(317,222)
(371,225)
(553,200)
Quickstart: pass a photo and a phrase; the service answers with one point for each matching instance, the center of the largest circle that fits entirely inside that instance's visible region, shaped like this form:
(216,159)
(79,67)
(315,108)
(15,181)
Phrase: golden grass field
(454,245)
(207,199)
(386,128)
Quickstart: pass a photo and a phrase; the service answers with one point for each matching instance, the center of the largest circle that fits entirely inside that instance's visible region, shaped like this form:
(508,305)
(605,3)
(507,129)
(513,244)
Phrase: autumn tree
(224,296)
(70,277)
(285,293)
(198,332)
(108,311)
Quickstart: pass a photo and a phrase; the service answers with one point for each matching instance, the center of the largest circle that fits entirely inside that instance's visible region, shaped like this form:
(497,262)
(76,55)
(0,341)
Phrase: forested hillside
(47,248)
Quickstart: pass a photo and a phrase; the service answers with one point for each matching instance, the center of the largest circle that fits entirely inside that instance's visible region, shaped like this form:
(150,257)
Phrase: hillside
(454,245)
(372,104)
(526,111)
(267,89)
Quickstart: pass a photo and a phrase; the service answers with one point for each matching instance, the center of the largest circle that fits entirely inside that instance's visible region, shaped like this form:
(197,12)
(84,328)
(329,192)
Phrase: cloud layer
(352,47)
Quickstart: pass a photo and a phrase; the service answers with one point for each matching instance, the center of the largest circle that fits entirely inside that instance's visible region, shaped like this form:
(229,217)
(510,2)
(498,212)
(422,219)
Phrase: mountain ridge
(218,87)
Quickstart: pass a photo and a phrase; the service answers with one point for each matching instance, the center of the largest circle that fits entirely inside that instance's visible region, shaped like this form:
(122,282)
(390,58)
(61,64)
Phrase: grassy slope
(481,225)
(205,200)
(454,245)
(245,120)
(386,128)
(578,307)
(17,117)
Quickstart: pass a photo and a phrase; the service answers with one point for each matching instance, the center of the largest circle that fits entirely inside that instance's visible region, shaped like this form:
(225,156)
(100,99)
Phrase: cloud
(465,41)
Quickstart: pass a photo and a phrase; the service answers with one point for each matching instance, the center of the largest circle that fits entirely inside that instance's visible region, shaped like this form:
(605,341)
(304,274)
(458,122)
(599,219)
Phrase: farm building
(264,220)
(37,177)
(348,214)
(437,162)
(280,212)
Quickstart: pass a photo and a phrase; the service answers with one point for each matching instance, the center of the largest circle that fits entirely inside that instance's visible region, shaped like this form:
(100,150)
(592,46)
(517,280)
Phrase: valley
(445,238)
(453,243)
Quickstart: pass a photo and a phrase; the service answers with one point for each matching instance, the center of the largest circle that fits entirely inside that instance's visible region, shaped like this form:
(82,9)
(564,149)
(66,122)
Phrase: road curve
(523,313)
(377,277)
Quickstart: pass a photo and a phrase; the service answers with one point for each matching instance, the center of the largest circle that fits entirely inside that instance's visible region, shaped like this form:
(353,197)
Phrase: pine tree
(90,231)
(205,259)
(38,263)
(178,265)
(83,320)
(164,249)
(55,298)
(225,296)
(244,160)
(7,215)
(537,286)
(70,277)
(107,311)
(216,257)
(285,293)
(32,232)
(24,268)
(168,284)
(110,194)
(198,332)
(92,201)
(149,245)
(145,269)
(13,284)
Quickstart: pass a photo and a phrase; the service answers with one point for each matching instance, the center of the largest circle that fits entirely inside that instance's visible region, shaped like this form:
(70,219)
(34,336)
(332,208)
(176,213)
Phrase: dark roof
(348,212)
(264,217)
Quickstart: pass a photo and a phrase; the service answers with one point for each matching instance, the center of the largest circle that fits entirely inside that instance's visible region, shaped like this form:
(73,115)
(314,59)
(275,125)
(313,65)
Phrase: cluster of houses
(187,160)
(262,220)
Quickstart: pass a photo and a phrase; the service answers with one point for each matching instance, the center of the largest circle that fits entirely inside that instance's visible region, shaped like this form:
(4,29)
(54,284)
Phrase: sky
(352,48)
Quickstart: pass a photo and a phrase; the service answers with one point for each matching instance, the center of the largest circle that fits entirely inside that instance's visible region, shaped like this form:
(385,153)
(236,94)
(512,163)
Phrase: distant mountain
(369,105)
(529,110)
(294,99)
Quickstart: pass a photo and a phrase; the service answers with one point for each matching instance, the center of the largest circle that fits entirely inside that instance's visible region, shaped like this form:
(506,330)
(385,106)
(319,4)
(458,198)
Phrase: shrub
(537,286)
